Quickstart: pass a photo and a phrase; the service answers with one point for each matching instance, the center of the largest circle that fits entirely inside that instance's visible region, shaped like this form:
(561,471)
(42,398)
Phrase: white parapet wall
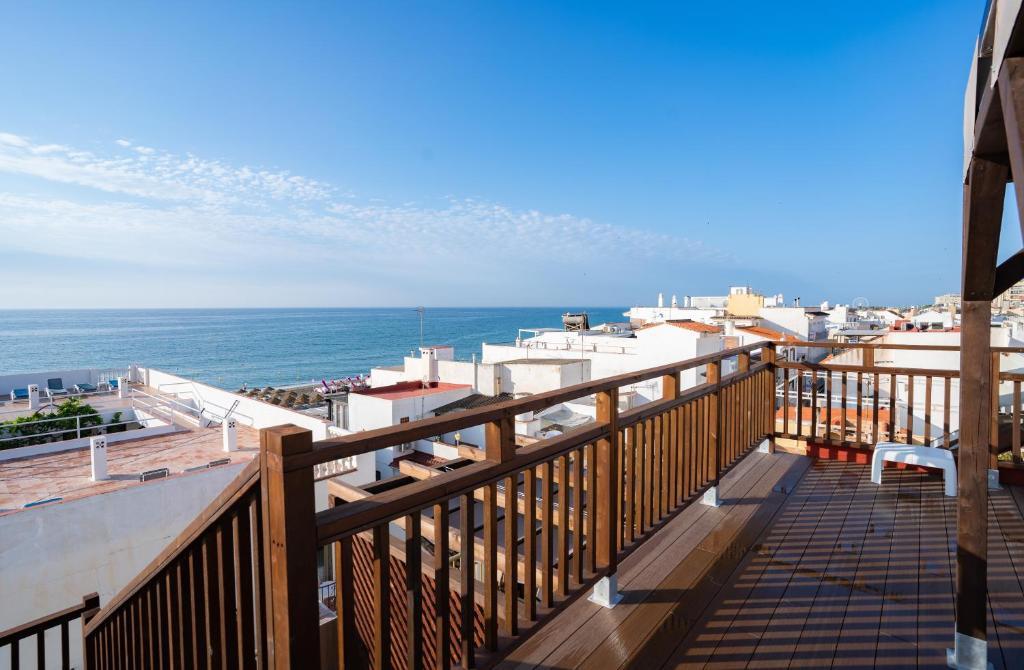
(52,555)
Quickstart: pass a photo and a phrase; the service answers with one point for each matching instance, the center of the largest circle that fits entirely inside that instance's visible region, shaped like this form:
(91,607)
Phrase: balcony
(804,561)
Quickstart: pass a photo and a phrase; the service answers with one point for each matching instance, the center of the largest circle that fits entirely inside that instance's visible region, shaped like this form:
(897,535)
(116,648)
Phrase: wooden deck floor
(807,565)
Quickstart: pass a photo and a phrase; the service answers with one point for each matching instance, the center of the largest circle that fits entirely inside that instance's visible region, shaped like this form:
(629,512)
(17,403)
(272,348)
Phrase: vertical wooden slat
(413,582)
(244,633)
(467,602)
(630,468)
(946,412)
(345,603)
(910,409)
(65,649)
(1016,420)
(993,439)
(547,535)
(656,469)
(928,410)
(442,580)
(874,410)
(184,615)
(591,496)
(211,602)
(860,411)
(562,582)
(381,597)
(828,407)
(715,427)
(814,405)
(491,566)
(640,494)
(198,633)
(171,615)
(530,539)
(799,403)
(893,409)
(577,515)
(226,589)
(512,544)
(785,402)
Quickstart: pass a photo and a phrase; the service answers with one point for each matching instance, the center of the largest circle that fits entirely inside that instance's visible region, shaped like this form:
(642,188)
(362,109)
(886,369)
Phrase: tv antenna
(421,310)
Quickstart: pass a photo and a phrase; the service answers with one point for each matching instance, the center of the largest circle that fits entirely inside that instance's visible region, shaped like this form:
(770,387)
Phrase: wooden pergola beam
(1009,273)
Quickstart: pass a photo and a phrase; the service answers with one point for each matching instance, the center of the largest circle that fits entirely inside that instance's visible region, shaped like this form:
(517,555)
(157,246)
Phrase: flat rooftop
(410,390)
(543,361)
(67,474)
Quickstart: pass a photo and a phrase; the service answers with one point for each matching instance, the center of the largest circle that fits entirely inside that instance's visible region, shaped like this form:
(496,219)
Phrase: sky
(480,154)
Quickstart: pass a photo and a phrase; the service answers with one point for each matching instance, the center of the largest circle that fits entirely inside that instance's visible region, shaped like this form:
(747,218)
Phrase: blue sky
(480,153)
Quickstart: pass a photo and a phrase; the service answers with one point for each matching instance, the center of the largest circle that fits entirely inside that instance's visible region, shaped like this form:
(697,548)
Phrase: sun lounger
(19,394)
(55,387)
(85,388)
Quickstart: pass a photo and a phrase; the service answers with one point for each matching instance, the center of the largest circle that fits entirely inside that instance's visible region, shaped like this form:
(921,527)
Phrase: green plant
(61,424)
(115,424)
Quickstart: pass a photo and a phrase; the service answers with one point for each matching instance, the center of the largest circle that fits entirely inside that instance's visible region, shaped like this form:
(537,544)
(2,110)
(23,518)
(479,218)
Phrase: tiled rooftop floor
(68,474)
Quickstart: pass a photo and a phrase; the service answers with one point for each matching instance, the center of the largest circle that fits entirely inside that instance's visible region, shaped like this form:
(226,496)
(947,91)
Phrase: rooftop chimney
(675,303)
(230,428)
(98,452)
(430,374)
(661,300)
(33,396)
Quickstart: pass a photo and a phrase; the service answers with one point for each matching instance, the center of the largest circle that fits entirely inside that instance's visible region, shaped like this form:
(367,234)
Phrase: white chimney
(230,429)
(98,453)
(661,300)
(33,396)
(430,375)
(675,303)
(122,387)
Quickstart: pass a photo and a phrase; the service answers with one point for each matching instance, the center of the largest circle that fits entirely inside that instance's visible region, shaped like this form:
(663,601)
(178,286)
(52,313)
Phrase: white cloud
(166,210)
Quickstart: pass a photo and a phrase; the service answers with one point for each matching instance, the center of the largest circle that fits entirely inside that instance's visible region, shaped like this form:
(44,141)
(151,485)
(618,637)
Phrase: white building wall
(50,556)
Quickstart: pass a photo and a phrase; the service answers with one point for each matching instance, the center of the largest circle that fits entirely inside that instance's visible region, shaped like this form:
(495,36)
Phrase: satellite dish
(860,303)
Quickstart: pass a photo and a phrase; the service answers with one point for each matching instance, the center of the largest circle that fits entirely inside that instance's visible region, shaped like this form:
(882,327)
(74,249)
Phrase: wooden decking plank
(838,567)
(686,592)
(1005,569)
(858,635)
(612,624)
(897,629)
(796,581)
(702,642)
(935,573)
(574,621)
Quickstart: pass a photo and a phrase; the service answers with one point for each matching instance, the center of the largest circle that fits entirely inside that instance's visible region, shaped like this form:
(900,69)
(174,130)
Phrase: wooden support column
(983,211)
(289,531)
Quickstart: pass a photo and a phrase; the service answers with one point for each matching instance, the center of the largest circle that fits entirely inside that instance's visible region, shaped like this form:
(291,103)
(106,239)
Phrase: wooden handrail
(372,440)
(44,623)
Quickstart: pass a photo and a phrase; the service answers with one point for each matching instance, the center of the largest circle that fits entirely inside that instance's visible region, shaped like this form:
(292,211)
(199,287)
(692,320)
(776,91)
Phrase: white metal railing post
(78,426)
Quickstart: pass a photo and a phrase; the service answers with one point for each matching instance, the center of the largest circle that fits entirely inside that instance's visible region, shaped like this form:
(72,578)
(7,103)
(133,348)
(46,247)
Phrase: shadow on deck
(808,564)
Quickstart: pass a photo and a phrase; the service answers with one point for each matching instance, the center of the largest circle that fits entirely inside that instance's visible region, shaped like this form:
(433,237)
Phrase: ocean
(231,347)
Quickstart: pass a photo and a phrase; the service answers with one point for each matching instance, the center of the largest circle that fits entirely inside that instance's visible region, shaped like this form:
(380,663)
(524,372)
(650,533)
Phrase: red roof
(686,324)
(410,390)
(762,332)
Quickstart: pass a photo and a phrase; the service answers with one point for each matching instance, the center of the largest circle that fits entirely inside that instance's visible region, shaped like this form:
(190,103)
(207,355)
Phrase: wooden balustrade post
(500,439)
(289,532)
(768,355)
(606,499)
(714,376)
(91,607)
(993,443)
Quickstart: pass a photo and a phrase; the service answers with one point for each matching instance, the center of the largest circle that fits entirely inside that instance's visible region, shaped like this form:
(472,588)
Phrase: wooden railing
(35,631)
(199,604)
(838,402)
(459,566)
(464,564)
